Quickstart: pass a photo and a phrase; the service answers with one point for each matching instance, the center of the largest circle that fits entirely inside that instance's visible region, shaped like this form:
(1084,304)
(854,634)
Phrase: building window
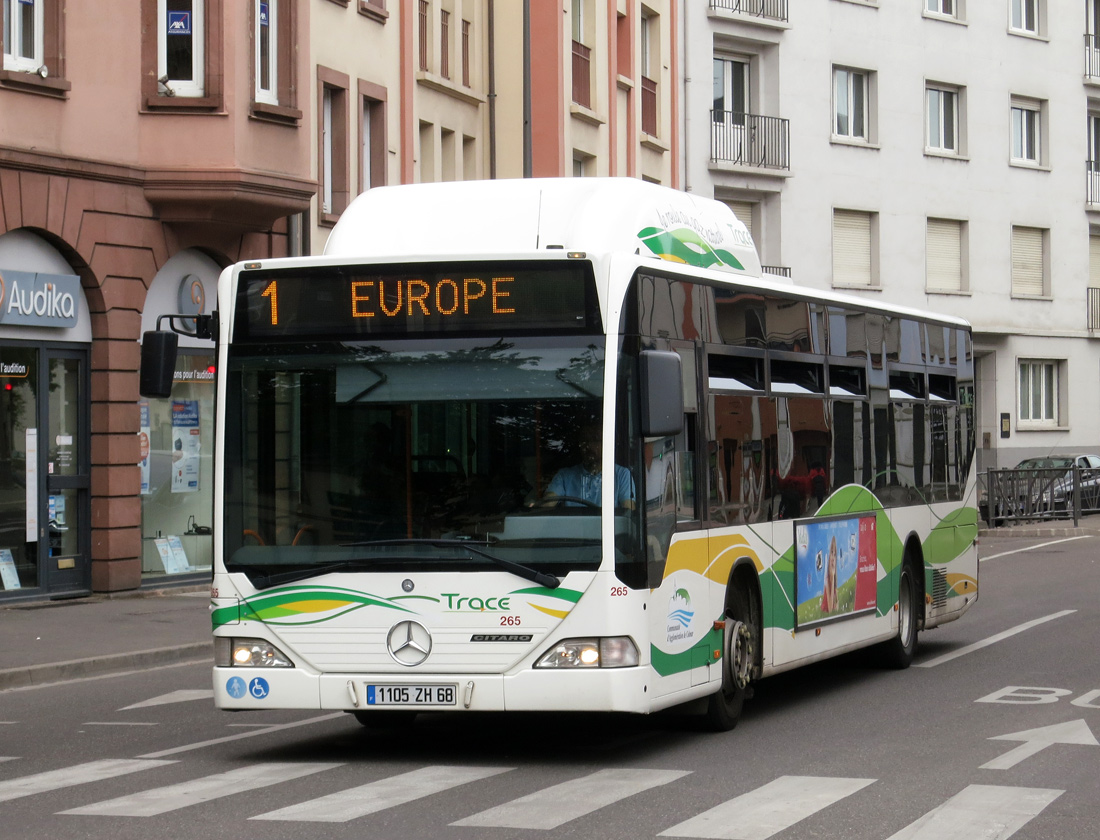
(181,47)
(266,36)
(1027,131)
(466,53)
(850,104)
(1039,392)
(422,19)
(1026,16)
(651,63)
(1029,262)
(942,109)
(853,248)
(445,44)
(582,164)
(945,269)
(582,56)
(372,135)
(333,143)
(24,41)
(946,8)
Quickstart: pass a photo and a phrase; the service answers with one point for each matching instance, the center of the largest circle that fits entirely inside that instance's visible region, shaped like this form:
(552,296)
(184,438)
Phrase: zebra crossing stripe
(559,804)
(768,810)
(78,774)
(161,800)
(385,793)
(987,811)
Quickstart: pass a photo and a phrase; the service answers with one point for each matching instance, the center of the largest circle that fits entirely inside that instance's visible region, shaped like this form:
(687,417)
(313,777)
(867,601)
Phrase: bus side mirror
(662,393)
(158,363)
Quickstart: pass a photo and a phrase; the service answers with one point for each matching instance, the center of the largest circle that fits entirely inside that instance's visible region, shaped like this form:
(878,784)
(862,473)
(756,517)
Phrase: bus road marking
(92,771)
(149,803)
(1020,628)
(986,811)
(274,728)
(1033,547)
(559,804)
(350,804)
(776,806)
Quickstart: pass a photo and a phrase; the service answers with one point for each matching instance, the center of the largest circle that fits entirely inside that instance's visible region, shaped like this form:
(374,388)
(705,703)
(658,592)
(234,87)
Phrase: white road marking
(1019,628)
(274,728)
(1035,740)
(1032,547)
(768,810)
(149,803)
(557,805)
(8,757)
(181,696)
(985,811)
(79,774)
(117,723)
(385,793)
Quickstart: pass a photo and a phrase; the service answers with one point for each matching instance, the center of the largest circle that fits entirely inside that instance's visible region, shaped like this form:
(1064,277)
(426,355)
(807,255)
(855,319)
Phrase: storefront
(45,463)
(177,434)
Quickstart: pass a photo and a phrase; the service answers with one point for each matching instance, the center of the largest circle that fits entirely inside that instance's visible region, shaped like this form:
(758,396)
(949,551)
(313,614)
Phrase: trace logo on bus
(680,617)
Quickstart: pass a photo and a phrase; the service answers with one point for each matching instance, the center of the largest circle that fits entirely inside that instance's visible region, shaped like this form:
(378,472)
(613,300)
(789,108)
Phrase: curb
(1032,531)
(38,675)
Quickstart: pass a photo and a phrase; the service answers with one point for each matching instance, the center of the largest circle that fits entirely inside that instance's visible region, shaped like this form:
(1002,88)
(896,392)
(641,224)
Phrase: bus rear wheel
(899,651)
(738,660)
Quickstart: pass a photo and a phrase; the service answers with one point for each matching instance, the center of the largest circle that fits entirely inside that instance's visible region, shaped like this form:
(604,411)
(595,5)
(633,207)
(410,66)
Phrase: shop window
(18,437)
(177,474)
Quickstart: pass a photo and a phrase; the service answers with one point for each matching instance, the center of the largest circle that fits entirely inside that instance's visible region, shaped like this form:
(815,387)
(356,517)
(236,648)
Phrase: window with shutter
(851,248)
(1027,262)
(944,255)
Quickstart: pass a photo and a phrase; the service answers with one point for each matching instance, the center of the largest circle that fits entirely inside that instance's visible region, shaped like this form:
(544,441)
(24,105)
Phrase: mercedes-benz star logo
(409,643)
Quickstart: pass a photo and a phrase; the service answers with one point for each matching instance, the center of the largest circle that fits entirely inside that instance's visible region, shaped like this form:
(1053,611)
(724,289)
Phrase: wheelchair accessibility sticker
(258,688)
(235,688)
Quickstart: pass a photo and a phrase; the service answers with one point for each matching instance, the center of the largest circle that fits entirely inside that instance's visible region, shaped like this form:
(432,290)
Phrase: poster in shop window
(185,446)
(143,443)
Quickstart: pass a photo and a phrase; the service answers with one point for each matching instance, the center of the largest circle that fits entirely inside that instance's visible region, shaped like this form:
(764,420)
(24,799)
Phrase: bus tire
(898,652)
(738,662)
(388,719)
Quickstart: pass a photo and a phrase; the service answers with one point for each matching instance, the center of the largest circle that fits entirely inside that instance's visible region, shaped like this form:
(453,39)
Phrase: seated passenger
(584,480)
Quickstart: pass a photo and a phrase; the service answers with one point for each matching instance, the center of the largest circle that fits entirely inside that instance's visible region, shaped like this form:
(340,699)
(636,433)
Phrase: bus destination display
(372,300)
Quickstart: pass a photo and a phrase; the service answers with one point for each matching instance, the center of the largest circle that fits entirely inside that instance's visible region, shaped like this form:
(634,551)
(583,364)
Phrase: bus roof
(594,215)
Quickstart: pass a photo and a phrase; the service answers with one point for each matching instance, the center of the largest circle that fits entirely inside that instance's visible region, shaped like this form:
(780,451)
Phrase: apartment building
(603,89)
(941,154)
(143,146)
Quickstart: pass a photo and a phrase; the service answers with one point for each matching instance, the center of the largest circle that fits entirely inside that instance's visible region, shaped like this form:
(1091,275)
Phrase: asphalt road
(990,735)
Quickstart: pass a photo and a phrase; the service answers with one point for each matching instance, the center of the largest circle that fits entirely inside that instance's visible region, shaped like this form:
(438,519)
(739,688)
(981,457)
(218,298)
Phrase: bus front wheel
(738,660)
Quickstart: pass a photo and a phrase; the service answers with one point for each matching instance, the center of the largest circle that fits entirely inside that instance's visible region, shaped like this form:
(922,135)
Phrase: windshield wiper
(266,580)
(519,570)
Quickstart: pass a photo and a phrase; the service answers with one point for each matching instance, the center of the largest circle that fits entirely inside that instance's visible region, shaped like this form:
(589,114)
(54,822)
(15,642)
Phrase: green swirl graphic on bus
(684,245)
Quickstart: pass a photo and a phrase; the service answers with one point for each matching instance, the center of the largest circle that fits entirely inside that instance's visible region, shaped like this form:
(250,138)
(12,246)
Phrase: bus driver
(584,480)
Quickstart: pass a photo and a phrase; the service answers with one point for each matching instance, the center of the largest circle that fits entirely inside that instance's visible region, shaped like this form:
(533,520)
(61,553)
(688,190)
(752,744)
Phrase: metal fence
(749,139)
(772,9)
(1013,497)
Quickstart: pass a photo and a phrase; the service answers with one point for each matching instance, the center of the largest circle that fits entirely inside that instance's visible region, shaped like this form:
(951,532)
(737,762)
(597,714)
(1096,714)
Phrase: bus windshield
(434,455)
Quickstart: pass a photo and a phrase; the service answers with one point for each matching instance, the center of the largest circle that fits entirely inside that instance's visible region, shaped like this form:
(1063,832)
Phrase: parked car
(1041,488)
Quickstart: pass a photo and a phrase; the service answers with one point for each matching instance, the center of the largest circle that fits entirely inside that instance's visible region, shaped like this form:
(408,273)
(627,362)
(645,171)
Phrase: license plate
(411,695)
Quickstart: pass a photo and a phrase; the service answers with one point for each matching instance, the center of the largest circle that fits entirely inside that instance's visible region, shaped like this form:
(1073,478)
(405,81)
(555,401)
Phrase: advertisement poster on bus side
(185,446)
(836,568)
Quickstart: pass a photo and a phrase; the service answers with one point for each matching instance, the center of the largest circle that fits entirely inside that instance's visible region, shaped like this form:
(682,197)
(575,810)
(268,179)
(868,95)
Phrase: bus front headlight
(249,653)
(608,652)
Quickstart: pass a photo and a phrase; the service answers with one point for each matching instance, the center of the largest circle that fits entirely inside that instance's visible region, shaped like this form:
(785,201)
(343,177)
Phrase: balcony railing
(771,9)
(1092,57)
(749,140)
(780,270)
(649,106)
(582,74)
(1092,182)
(1092,304)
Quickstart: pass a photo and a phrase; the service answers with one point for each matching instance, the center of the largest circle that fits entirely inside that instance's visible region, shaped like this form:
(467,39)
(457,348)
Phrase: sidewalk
(51,641)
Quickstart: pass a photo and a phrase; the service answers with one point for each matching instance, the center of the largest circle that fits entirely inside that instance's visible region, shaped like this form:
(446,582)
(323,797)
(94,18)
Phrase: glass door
(64,531)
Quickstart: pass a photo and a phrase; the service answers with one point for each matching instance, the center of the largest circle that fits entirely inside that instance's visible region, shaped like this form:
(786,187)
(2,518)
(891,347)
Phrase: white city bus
(407,519)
